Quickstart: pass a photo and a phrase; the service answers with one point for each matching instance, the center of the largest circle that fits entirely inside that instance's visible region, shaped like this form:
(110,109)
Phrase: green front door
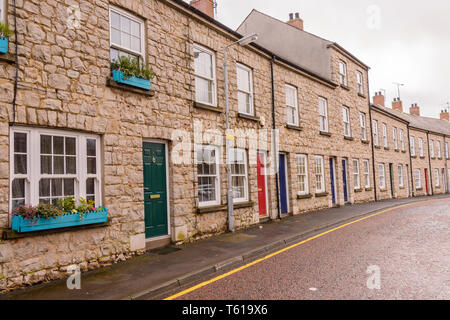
(155,189)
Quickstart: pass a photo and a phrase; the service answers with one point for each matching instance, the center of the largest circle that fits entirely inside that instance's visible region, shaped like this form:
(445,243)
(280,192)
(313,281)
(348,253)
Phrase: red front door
(262,197)
(426,180)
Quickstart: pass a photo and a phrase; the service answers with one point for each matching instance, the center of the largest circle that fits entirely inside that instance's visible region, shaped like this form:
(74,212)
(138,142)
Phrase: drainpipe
(446,166)
(373,151)
(429,162)
(17,66)
(410,163)
(274,126)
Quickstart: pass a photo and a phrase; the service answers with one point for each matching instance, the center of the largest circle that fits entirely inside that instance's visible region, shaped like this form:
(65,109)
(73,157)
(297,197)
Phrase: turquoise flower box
(3,45)
(119,77)
(21,225)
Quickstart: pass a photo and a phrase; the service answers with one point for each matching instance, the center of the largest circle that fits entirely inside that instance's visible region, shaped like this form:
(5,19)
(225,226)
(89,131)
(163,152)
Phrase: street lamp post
(228,137)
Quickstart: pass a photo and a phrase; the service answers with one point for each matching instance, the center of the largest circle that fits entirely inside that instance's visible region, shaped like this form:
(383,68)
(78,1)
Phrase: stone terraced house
(155,158)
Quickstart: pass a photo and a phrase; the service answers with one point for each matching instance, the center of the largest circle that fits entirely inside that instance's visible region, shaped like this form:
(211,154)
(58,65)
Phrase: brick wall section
(391,155)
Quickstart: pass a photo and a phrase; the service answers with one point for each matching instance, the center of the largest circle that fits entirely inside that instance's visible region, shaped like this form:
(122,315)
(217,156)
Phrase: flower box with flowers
(47,216)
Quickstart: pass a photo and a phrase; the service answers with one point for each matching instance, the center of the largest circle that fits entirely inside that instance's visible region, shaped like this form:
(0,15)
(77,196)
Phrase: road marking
(205,283)
(313,289)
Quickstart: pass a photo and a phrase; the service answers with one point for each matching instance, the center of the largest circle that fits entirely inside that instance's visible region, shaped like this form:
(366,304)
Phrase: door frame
(264,152)
(286,180)
(426,182)
(166,147)
(391,179)
(345,183)
(333,181)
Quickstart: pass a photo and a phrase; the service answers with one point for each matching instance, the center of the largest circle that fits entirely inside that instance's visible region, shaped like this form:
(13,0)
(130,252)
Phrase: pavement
(164,271)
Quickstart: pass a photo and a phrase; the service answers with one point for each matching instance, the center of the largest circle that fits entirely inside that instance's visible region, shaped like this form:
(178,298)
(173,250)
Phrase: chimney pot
(445,115)
(414,110)
(378,99)
(397,105)
(296,22)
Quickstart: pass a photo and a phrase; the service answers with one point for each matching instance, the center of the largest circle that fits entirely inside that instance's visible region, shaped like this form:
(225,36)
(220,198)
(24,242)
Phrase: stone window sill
(365,141)
(396,150)
(369,189)
(203,106)
(293,127)
(304,196)
(343,86)
(403,151)
(248,117)
(362,95)
(9,234)
(358,190)
(387,148)
(401,188)
(113,84)
(208,209)
(437,187)
(8,58)
(322,194)
(419,189)
(377,147)
(414,157)
(323,133)
(423,157)
(383,190)
(349,138)
(241,205)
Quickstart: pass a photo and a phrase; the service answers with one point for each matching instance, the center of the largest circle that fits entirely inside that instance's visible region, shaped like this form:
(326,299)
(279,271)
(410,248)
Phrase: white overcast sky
(409,45)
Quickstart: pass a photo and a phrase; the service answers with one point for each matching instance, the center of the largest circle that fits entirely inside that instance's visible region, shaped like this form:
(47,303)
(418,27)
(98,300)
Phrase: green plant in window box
(85,207)
(66,204)
(131,67)
(5,33)
(48,210)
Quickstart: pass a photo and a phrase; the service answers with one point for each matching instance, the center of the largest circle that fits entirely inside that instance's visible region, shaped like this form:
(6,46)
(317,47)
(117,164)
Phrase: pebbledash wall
(64,89)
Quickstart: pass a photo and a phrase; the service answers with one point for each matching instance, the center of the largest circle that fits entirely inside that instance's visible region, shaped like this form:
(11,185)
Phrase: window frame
(249,93)
(401,182)
(216,176)
(34,175)
(203,49)
(360,82)
(134,18)
(412,146)
(246,181)
(306,174)
(346,121)
(343,78)
(446,152)
(296,116)
(323,116)
(382,177)
(432,149)
(395,137)
(438,149)
(376,137)
(322,173)
(363,123)
(402,140)
(421,150)
(356,175)
(385,135)
(437,178)
(418,178)
(366,173)
(3,11)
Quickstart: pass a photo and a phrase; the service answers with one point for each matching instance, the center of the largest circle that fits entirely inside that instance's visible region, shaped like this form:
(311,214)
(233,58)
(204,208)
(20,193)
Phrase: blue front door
(344,179)
(333,183)
(283,185)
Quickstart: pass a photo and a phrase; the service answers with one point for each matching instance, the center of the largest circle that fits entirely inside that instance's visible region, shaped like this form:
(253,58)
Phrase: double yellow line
(198,286)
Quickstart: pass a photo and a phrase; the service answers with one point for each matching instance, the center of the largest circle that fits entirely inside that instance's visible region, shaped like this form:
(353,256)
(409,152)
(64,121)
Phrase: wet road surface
(410,247)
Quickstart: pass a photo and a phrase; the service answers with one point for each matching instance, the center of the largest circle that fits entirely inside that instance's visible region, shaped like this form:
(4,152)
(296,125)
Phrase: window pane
(46,144)
(125,23)
(20,163)
(71,165)
(115,36)
(115,20)
(207,189)
(91,147)
(56,187)
(44,188)
(243,79)
(69,187)
(90,186)
(135,44)
(18,188)
(20,142)
(114,54)
(91,165)
(46,165)
(238,187)
(18,203)
(203,90)
(135,29)
(58,165)
(126,40)
(203,64)
(58,145)
(70,146)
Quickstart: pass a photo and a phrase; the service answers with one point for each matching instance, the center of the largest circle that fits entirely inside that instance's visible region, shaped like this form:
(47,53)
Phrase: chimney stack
(378,99)
(414,110)
(295,21)
(397,104)
(205,6)
(445,115)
